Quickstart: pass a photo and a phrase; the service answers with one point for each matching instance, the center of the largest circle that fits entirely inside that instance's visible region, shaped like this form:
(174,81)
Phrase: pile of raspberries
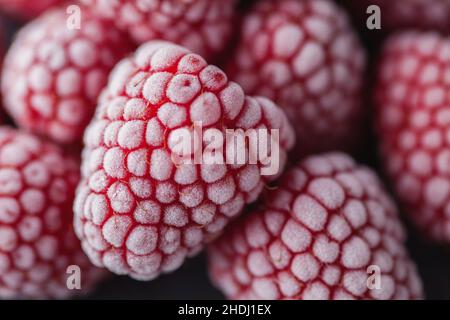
(97,96)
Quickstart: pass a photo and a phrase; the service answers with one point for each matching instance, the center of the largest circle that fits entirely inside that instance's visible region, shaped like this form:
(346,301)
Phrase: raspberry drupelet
(37,240)
(305,56)
(138,211)
(203,26)
(326,233)
(413,124)
(53,74)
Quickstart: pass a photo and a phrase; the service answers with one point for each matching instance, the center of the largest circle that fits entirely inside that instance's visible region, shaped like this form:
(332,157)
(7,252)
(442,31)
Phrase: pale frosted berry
(404,14)
(327,232)
(37,241)
(27,9)
(413,119)
(137,211)
(53,74)
(203,26)
(305,56)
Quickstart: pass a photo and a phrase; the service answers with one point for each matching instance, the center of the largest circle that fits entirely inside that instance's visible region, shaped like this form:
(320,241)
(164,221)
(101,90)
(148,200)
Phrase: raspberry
(139,213)
(413,119)
(404,14)
(203,26)
(26,9)
(53,74)
(306,58)
(316,237)
(37,241)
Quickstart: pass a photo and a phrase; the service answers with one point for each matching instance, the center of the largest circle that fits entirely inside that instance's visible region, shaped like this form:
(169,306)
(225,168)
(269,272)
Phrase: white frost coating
(305,267)
(295,237)
(328,192)
(175,216)
(286,40)
(30,228)
(131,134)
(171,115)
(10,181)
(222,191)
(8,238)
(115,229)
(355,212)
(310,212)
(256,233)
(232,98)
(183,88)
(206,109)
(325,249)
(316,291)
(120,197)
(154,133)
(338,228)
(142,240)
(203,214)
(185,174)
(161,165)
(141,187)
(32,200)
(310,57)
(192,196)
(355,253)
(114,163)
(137,162)
(258,264)
(279,254)
(166,192)
(147,212)
(154,87)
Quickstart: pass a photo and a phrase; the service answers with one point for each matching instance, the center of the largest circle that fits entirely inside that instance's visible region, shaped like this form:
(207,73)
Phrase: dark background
(191,280)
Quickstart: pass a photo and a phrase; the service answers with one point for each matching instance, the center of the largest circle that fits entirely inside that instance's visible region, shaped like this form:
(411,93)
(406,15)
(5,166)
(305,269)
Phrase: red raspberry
(403,14)
(315,238)
(413,117)
(27,9)
(203,26)
(37,242)
(53,74)
(137,212)
(304,56)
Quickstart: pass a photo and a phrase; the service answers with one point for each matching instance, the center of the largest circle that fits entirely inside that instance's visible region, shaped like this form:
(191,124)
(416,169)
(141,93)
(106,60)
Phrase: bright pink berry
(325,233)
(413,119)
(53,74)
(139,213)
(37,241)
(404,14)
(305,56)
(203,26)
(27,9)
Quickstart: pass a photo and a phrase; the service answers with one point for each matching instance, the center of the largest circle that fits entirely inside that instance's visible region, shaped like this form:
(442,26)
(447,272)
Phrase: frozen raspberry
(53,74)
(138,211)
(203,26)
(304,56)
(327,232)
(403,14)
(37,242)
(413,115)
(26,9)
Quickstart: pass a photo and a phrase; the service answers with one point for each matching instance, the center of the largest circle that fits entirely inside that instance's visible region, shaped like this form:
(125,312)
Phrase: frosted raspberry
(137,211)
(403,14)
(413,118)
(304,56)
(27,9)
(37,242)
(53,74)
(203,26)
(318,236)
